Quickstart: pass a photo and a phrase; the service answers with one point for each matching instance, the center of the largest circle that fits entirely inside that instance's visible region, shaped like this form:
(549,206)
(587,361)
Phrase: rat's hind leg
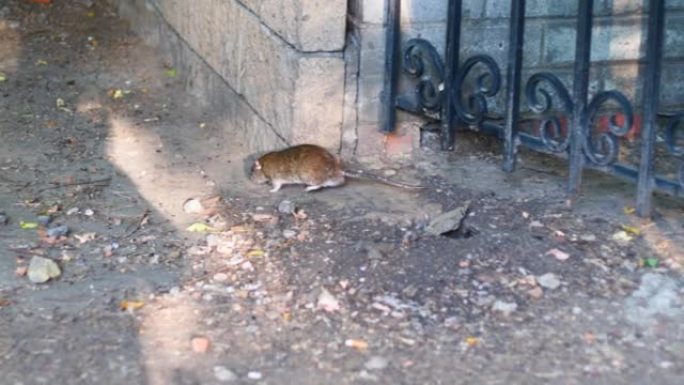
(276,186)
(313,188)
(334,182)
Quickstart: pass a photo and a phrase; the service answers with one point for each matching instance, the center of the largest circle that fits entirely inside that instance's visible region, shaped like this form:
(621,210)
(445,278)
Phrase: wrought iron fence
(567,119)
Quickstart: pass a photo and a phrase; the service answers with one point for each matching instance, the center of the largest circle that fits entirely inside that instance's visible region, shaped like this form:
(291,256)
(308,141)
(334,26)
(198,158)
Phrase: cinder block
(674,35)
(319,102)
(309,25)
(372,53)
(322,25)
(369,99)
(559,43)
(620,38)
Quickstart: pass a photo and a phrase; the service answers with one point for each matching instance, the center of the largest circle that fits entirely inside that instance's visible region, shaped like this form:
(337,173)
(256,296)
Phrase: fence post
(651,92)
(514,73)
(451,58)
(389,94)
(580,119)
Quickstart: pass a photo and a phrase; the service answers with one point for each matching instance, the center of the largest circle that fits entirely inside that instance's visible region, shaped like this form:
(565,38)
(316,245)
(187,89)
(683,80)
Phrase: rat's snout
(256,175)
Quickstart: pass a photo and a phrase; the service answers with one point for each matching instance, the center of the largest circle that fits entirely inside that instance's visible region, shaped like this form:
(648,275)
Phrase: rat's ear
(257,165)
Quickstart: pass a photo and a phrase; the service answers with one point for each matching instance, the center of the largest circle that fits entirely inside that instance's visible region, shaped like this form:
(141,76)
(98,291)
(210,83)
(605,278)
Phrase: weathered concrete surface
(259,62)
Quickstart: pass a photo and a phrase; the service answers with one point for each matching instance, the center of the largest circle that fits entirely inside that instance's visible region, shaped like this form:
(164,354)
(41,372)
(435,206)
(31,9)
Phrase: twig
(539,170)
(21,184)
(103,182)
(138,224)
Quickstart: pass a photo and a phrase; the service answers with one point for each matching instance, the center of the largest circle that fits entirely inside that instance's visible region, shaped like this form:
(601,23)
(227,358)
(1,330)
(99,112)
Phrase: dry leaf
(84,238)
(356,344)
(201,228)
(300,214)
(255,253)
(558,254)
(200,344)
(131,305)
(631,229)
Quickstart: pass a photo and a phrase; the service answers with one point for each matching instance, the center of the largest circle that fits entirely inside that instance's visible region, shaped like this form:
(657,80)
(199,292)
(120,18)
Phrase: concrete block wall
(275,66)
(618,50)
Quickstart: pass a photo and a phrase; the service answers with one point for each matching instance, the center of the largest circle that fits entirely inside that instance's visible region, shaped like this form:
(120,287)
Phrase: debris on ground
(449,221)
(505,308)
(327,301)
(286,207)
(41,270)
(376,363)
(549,281)
(224,374)
(200,344)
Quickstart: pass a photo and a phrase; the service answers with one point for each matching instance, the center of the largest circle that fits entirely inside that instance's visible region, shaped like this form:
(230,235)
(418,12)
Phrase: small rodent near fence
(310,165)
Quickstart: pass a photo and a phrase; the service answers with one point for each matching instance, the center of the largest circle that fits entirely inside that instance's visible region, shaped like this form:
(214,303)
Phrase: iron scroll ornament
(418,55)
(487,84)
(671,142)
(603,149)
(540,101)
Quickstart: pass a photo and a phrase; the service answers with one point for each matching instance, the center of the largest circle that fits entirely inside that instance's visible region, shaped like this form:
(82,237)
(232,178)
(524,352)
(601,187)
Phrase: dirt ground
(349,288)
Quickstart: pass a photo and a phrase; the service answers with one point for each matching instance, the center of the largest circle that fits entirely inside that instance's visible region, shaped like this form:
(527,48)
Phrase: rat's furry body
(307,164)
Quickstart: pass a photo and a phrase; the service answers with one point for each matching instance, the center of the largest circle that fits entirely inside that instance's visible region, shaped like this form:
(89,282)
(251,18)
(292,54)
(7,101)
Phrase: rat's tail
(378,178)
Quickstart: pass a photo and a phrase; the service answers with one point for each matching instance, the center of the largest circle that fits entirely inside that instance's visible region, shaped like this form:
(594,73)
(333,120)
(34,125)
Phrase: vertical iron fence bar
(389,95)
(651,92)
(451,58)
(514,74)
(580,119)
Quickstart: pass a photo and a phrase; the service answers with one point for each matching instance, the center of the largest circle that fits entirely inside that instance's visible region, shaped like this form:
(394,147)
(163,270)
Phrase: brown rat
(307,164)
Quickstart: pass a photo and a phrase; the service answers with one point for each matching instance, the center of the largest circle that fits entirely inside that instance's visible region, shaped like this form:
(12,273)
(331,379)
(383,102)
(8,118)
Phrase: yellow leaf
(631,229)
(131,305)
(28,225)
(287,316)
(117,94)
(472,341)
(59,103)
(90,14)
(3,77)
(201,228)
(629,210)
(255,253)
(41,62)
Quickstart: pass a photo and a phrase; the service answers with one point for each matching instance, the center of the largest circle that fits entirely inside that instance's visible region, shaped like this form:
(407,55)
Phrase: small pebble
(41,270)
(3,219)
(224,374)
(505,308)
(286,207)
(58,231)
(549,281)
(193,206)
(289,234)
(536,292)
(254,375)
(587,237)
(376,363)
(44,219)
